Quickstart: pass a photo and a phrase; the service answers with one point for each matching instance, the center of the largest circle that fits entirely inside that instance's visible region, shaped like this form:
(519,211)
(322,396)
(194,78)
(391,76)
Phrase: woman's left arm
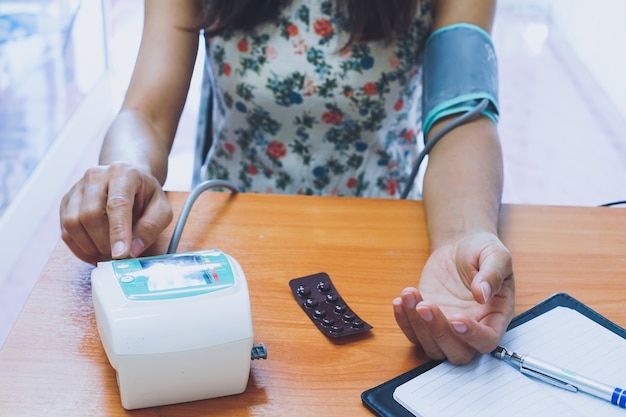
(466,297)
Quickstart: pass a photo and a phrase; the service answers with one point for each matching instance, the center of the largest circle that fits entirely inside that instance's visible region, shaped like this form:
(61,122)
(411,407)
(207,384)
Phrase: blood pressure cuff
(460,70)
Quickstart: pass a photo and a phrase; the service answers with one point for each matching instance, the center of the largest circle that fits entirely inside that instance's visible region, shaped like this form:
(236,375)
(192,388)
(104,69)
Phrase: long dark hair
(366,20)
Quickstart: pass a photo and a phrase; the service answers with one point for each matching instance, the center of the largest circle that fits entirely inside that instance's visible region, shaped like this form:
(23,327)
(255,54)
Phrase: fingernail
(397,305)
(425,313)
(409,301)
(118,249)
(406,291)
(486,290)
(136,247)
(459,326)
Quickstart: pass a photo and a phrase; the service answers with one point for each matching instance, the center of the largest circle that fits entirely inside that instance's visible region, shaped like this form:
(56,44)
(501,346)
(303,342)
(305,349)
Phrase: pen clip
(548,379)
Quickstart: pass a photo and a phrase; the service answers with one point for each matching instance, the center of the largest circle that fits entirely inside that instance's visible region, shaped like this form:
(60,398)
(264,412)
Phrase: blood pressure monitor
(175,327)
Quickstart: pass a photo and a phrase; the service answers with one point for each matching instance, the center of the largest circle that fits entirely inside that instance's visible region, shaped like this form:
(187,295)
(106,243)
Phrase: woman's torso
(293,114)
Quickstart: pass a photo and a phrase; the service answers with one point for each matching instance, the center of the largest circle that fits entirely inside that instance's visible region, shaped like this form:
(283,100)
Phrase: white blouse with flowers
(293,113)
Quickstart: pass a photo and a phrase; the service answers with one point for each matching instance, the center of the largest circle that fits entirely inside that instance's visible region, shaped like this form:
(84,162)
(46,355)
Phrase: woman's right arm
(118,209)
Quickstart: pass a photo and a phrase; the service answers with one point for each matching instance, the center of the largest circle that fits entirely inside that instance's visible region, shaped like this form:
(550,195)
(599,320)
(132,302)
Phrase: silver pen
(560,377)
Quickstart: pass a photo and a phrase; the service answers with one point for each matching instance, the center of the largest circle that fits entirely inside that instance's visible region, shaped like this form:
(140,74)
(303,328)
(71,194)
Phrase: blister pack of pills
(322,303)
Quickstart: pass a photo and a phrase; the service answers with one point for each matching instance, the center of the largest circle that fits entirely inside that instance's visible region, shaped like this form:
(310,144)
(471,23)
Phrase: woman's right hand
(115,211)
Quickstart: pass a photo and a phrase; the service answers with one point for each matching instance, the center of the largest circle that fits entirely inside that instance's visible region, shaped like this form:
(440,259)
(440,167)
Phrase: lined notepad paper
(489,387)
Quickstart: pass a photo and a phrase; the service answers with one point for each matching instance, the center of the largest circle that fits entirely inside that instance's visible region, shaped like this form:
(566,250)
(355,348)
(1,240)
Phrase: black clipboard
(380,398)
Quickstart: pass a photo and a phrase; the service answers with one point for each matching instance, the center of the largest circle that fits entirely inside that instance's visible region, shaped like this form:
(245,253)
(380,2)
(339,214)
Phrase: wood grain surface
(53,363)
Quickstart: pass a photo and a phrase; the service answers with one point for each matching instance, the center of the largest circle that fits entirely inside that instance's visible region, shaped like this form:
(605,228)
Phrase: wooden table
(53,363)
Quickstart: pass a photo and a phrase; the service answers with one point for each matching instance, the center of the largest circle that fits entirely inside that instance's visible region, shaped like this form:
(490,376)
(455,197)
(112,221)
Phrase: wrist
(134,140)
(449,236)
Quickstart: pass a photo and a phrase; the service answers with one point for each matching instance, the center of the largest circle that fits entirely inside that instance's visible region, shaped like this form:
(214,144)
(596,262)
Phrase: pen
(560,377)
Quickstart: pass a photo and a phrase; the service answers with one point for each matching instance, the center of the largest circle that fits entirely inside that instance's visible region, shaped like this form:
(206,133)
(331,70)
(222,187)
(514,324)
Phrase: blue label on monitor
(178,275)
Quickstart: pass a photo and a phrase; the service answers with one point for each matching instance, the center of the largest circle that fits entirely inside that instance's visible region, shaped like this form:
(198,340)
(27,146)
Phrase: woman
(313,97)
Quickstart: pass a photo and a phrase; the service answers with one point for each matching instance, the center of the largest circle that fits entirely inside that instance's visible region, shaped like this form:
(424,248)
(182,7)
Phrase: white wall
(596,30)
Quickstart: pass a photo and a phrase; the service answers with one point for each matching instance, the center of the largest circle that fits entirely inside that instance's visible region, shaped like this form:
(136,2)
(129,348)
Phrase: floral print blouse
(293,113)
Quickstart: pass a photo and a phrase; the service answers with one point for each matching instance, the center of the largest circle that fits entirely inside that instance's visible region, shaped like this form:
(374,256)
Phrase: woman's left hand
(464,301)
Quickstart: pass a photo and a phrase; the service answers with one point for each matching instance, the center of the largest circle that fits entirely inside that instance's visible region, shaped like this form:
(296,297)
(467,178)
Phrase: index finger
(119,210)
